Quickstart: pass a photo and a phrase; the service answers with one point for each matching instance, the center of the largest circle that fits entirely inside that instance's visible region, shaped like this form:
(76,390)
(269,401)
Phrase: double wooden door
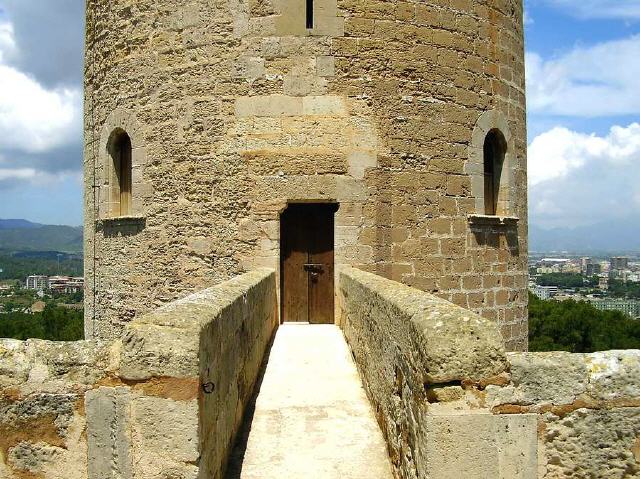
(306,232)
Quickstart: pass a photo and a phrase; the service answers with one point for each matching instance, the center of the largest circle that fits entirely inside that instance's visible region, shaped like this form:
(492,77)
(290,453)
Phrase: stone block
(108,439)
(482,446)
(165,428)
(324,106)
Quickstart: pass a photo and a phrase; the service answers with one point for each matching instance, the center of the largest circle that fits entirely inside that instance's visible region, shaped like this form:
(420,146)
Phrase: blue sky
(583,93)
(583,99)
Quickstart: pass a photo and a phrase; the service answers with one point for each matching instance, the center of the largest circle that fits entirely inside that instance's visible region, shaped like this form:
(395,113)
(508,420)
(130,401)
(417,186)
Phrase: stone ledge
(557,380)
(122,220)
(166,342)
(492,220)
(453,343)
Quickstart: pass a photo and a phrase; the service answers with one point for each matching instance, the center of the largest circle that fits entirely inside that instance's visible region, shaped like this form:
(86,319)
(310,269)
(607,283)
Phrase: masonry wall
(451,403)
(234,110)
(43,419)
(165,401)
(587,408)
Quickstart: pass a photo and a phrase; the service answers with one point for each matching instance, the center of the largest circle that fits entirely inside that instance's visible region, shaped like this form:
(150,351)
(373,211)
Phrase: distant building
(58,283)
(603,283)
(544,292)
(552,261)
(619,263)
(75,285)
(66,284)
(591,269)
(37,282)
(627,306)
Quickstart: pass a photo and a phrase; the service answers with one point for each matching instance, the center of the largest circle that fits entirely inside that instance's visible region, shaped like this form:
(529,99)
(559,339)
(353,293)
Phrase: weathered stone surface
(411,349)
(136,408)
(600,444)
(33,458)
(542,377)
(236,109)
(108,438)
(167,342)
(559,378)
(42,418)
(588,408)
(450,342)
(46,366)
(613,375)
(481,446)
(165,438)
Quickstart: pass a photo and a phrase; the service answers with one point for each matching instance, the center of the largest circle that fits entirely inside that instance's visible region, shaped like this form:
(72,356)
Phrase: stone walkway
(312,418)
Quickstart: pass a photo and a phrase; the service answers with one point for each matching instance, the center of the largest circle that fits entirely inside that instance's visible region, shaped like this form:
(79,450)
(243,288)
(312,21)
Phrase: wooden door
(306,232)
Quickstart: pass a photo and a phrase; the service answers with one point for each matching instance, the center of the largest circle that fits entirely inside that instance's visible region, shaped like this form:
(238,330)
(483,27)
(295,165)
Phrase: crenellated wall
(165,401)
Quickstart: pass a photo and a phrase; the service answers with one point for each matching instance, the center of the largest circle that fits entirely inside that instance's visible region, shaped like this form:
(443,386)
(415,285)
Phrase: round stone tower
(227,135)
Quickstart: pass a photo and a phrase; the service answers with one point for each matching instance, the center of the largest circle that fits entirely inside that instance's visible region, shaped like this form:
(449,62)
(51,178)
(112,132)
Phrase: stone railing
(166,401)
(42,405)
(413,348)
(587,408)
(451,403)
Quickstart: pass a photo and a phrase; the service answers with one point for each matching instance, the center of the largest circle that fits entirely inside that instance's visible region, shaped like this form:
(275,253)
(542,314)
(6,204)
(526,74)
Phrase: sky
(583,95)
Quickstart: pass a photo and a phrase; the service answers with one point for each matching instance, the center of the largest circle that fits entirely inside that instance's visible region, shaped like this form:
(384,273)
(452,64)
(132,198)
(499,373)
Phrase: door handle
(313,268)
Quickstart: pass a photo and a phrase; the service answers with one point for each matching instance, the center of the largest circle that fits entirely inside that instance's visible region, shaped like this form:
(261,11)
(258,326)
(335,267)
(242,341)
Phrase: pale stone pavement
(312,418)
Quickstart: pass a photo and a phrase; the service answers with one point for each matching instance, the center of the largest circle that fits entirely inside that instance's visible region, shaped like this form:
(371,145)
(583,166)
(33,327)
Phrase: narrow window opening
(309,14)
(122,167)
(495,149)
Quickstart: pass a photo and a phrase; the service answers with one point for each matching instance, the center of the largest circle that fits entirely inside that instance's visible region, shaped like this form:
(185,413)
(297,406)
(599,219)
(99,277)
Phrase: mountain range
(23,235)
(604,236)
(607,236)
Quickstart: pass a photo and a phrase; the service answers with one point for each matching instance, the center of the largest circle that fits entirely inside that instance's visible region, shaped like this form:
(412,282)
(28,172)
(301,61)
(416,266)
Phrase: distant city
(607,283)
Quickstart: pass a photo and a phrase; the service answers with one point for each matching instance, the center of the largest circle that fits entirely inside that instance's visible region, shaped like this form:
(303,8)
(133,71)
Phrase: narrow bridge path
(312,418)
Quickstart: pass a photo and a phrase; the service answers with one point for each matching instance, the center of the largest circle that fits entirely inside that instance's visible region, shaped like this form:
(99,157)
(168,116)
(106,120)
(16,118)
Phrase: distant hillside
(604,236)
(23,235)
(18,224)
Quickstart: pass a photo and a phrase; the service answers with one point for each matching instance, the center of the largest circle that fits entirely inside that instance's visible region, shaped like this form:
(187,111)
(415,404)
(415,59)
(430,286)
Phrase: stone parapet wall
(413,349)
(587,408)
(452,404)
(166,401)
(42,406)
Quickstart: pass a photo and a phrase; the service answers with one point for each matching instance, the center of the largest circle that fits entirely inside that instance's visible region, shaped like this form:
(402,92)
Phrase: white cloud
(528,19)
(601,80)
(7,41)
(622,9)
(34,118)
(577,179)
(17,174)
(555,153)
(12,176)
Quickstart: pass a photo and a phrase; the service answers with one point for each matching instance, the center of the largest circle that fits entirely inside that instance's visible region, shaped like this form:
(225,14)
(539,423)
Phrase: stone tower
(219,135)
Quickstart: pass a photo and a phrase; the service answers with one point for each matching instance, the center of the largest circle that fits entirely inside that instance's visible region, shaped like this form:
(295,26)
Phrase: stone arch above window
(491,165)
(121,166)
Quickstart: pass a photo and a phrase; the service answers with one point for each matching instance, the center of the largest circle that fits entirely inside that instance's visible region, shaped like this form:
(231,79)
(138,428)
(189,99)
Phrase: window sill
(493,220)
(123,220)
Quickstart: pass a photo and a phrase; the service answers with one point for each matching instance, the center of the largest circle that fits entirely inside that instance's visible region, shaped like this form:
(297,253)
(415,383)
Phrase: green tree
(578,327)
(54,323)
